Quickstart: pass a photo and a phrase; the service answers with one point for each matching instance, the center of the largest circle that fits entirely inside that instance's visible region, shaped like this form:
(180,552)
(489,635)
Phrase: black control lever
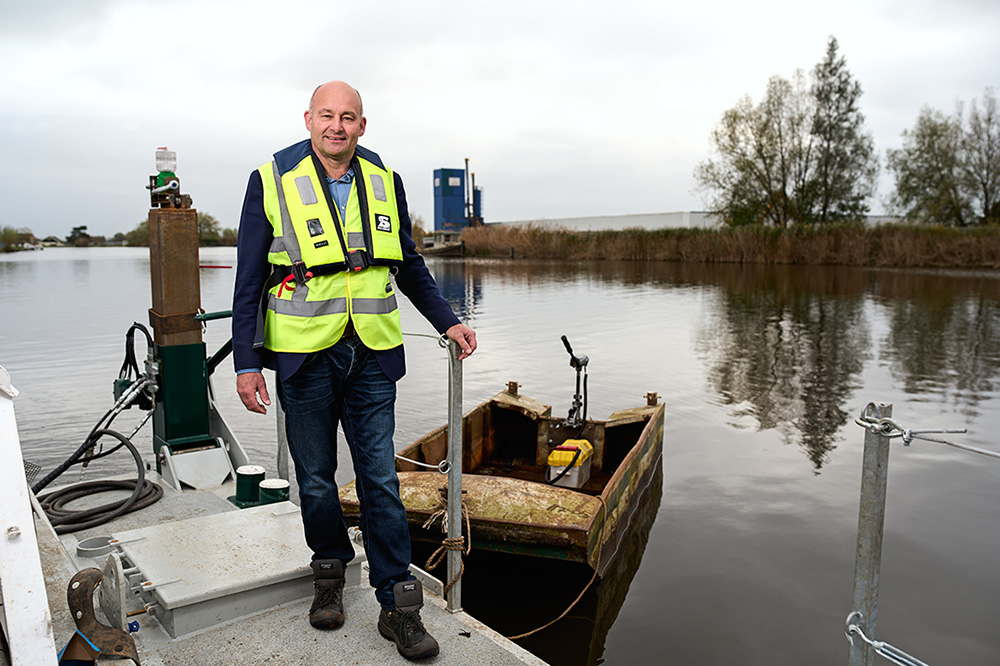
(574,360)
(578,412)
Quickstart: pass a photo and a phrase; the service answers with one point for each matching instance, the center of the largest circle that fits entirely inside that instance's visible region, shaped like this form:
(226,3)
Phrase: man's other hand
(465,337)
(249,385)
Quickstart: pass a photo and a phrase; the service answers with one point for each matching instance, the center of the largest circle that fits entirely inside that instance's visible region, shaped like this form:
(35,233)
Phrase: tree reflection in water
(785,346)
(942,335)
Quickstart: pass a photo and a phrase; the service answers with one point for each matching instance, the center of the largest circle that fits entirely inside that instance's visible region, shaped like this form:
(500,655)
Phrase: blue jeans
(344,383)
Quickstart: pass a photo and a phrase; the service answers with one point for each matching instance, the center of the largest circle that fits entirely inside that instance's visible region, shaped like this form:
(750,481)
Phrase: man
(324,226)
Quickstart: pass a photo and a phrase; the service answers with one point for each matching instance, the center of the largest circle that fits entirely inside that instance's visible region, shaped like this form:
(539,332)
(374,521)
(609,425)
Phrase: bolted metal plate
(111,592)
(210,569)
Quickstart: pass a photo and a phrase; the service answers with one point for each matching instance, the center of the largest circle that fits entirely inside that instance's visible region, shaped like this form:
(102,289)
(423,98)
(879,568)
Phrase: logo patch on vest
(315,228)
(383,223)
(321,244)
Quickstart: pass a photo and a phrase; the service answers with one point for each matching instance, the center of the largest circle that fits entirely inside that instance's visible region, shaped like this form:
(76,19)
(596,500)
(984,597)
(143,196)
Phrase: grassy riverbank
(839,245)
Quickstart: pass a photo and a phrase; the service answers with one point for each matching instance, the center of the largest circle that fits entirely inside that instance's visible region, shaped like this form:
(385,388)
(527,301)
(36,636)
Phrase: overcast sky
(564,108)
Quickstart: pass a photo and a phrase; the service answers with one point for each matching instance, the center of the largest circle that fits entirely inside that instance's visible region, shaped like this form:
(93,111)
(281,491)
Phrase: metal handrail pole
(454,596)
(283,451)
(871,521)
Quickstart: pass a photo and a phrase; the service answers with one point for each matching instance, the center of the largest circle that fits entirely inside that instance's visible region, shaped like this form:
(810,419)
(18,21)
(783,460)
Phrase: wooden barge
(506,443)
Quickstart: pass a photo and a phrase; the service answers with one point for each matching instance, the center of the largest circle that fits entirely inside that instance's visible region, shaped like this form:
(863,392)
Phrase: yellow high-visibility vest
(352,258)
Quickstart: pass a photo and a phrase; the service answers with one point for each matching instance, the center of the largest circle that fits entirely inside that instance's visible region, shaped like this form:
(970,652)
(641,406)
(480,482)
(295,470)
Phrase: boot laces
(326,595)
(411,629)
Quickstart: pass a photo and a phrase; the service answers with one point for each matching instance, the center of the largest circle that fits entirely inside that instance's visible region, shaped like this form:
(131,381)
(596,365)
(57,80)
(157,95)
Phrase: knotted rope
(458,543)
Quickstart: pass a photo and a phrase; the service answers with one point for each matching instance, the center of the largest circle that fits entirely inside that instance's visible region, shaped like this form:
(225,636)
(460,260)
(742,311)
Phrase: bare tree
(763,157)
(981,157)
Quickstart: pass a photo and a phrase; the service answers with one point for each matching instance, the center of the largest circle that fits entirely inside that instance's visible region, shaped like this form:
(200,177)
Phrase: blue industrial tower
(458,203)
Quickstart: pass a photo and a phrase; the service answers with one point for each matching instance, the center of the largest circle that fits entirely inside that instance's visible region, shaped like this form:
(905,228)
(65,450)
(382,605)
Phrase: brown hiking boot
(327,611)
(403,624)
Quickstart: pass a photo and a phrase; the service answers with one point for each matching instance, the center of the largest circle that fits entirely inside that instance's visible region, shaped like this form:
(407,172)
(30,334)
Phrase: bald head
(335,121)
(336,86)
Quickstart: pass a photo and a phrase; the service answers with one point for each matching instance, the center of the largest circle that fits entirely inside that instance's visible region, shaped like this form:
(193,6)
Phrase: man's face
(335,121)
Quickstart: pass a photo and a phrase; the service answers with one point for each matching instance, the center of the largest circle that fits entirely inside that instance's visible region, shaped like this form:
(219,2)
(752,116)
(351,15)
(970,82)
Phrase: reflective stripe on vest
(312,316)
(374,306)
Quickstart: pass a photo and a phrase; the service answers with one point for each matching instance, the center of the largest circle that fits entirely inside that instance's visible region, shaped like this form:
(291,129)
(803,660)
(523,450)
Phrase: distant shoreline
(842,244)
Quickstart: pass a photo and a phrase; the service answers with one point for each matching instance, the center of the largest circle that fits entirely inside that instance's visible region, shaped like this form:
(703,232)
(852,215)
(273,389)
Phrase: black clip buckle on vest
(300,272)
(357,260)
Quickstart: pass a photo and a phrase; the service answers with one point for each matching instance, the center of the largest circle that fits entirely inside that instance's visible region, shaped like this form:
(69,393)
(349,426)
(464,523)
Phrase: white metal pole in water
(871,520)
(25,604)
(454,473)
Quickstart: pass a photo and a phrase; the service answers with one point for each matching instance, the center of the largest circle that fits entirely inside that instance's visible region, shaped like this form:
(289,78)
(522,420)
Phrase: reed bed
(835,244)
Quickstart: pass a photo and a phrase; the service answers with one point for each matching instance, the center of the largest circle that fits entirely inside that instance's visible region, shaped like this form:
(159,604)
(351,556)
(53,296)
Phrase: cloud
(563,108)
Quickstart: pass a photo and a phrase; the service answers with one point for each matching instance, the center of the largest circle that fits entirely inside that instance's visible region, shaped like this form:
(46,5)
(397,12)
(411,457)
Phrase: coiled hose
(66,520)
(144,492)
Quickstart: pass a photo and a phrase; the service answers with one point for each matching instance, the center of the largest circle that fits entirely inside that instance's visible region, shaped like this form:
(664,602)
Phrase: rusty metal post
(181,420)
(454,473)
(174,276)
(871,520)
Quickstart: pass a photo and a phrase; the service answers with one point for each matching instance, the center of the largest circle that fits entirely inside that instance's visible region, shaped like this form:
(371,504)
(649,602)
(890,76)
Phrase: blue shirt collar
(346,179)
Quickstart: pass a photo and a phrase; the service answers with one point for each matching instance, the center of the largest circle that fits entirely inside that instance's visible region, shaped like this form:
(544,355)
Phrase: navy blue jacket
(252,269)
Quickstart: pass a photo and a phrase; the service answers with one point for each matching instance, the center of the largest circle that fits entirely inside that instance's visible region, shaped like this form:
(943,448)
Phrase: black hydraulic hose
(72,460)
(88,443)
(130,364)
(143,494)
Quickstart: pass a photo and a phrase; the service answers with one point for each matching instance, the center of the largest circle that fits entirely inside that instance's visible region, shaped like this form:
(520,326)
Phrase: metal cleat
(110,641)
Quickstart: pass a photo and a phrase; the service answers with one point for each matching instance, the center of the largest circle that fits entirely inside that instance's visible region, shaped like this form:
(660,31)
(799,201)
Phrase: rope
(971,449)
(635,507)
(561,616)
(578,597)
(437,558)
(458,543)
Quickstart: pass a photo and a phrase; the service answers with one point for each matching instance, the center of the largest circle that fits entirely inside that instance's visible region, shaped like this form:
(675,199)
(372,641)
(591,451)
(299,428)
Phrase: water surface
(745,552)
